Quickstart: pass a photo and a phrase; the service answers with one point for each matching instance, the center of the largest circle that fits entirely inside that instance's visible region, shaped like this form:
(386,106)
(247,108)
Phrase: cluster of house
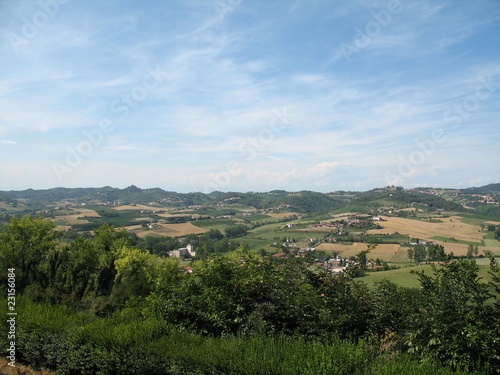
(153,211)
(338,226)
(335,265)
(232,199)
(417,241)
(485,199)
(153,225)
(277,208)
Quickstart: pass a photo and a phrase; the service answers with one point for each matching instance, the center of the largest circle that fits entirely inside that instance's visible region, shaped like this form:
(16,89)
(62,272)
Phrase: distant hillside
(399,199)
(487,189)
(303,201)
(307,202)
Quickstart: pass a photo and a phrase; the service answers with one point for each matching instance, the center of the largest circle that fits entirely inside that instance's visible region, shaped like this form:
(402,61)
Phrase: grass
(74,343)
(404,277)
(257,218)
(219,224)
(257,244)
(492,243)
(452,240)
(476,219)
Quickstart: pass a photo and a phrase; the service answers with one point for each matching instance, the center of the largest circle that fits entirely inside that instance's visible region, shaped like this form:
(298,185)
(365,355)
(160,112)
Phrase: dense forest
(109,303)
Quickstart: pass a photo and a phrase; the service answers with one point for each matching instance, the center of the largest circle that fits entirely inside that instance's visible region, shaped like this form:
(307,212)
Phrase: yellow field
(345,214)
(172,230)
(281,215)
(63,227)
(78,218)
(179,215)
(450,227)
(387,252)
(136,207)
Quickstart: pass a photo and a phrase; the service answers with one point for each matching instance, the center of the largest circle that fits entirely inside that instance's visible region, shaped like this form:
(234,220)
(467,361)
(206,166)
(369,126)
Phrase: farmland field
(404,277)
(79,217)
(451,227)
(219,224)
(386,252)
(281,215)
(137,207)
(172,230)
(492,243)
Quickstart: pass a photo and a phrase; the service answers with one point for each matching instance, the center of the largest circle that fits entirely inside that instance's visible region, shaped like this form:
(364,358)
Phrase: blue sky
(239,95)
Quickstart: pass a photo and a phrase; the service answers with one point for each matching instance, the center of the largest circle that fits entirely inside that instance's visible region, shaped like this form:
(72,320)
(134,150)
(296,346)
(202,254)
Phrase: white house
(184,252)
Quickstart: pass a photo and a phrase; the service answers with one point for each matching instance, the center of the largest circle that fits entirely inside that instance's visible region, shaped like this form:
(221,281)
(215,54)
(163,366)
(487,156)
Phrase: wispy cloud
(223,78)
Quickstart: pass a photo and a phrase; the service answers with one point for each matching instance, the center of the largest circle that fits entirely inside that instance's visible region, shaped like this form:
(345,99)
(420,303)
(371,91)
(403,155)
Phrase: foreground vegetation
(78,343)
(101,305)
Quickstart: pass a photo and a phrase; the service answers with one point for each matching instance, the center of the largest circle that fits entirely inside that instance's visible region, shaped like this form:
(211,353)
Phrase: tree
(410,253)
(80,267)
(361,259)
(107,241)
(136,274)
(24,245)
(237,230)
(419,253)
(470,251)
(457,324)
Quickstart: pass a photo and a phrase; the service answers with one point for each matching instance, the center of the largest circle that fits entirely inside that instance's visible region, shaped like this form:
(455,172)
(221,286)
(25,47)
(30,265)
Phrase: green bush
(74,343)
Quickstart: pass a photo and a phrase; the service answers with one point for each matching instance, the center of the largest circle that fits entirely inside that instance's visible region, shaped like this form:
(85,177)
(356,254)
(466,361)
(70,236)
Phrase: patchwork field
(136,207)
(452,227)
(180,214)
(386,252)
(461,249)
(406,278)
(171,230)
(79,217)
(281,215)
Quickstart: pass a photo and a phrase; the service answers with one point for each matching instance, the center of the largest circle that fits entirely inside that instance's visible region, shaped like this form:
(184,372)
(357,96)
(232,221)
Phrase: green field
(491,243)
(404,277)
(257,218)
(219,224)
(447,239)
(257,244)
(475,219)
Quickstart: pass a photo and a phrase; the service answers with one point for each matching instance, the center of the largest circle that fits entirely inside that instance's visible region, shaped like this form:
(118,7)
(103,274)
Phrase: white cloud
(322,169)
